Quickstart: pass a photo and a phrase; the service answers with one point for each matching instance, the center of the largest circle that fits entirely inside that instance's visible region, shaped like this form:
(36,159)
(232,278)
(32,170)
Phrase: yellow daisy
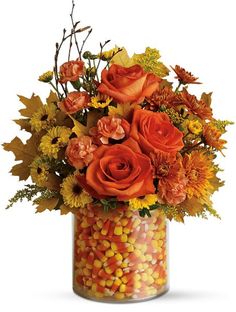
(73,194)
(143,202)
(44,118)
(99,102)
(39,170)
(54,140)
(46,77)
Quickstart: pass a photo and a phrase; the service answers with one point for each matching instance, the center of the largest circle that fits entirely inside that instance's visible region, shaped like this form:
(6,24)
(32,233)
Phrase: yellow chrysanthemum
(73,195)
(44,118)
(99,102)
(194,126)
(201,175)
(54,140)
(39,171)
(46,77)
(145,202)
(150,62)
(107,55)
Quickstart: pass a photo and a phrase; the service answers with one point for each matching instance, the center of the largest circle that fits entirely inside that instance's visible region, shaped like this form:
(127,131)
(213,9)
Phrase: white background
(35,250)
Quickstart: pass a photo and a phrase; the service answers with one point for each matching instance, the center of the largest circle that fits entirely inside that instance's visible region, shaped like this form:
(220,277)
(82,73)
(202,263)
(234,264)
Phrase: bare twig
(101,49)
(70,45)
(84,41)
(74,26)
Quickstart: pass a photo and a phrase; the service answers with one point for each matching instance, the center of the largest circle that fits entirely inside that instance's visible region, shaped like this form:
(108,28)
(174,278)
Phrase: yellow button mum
(54,140)
(194,126)
(98,102)
(46,77)
(73,195)
(145,202)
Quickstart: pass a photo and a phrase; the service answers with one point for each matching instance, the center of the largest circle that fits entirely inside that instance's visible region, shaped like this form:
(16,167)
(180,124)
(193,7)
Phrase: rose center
(119,169)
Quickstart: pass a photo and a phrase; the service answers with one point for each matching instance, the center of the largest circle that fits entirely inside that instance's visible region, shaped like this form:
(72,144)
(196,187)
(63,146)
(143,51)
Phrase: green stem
(192,147)
(179,85)
(54,87)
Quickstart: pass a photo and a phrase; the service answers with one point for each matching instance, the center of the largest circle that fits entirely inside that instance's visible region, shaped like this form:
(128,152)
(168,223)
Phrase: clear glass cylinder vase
(118,255)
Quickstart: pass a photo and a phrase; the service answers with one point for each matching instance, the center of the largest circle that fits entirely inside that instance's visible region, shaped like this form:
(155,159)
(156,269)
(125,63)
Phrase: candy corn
(119,256)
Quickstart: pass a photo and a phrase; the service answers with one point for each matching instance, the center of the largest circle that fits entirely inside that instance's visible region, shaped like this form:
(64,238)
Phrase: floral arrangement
(117,131)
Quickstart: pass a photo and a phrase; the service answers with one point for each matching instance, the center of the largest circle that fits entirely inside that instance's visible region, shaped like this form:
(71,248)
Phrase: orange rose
(119,170)
(74,102)
(155,133)
(79,151)
(128,85)
(71,71)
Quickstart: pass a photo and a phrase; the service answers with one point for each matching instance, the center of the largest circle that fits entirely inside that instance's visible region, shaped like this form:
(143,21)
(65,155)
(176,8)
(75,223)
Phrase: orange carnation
(71,71)
(155,132)
(74,102)
(109,127)
(79,151)
(128,85)
(120,171)
(172,182)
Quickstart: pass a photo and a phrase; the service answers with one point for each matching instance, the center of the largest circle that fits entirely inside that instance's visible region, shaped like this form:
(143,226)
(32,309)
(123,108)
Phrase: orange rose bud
(71,71)
(79,151)
(128,85)
(155,132)
(120,170)
(74,102)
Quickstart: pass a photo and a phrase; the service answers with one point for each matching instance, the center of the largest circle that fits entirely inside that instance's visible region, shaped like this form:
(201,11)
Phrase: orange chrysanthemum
(212,136)
(195,106)
(200,173)
(162,96)
(184,76)
(171,179)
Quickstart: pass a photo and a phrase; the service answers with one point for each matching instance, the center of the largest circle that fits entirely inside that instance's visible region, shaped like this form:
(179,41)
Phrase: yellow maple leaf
(122,110)
(52,98)
(149,61)
(31,105)
(24,152)
(49,203)
(122,58)
(79,129)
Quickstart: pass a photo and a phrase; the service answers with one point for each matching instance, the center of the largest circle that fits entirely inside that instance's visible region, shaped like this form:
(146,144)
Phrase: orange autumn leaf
(24,153)
(49,203)
(31,105)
